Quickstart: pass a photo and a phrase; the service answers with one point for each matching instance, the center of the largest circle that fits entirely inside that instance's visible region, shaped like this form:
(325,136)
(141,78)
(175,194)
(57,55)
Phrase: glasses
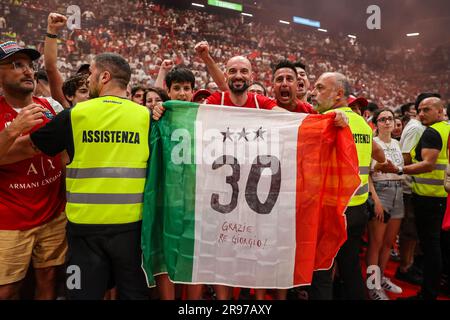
(383,120)
(17,65)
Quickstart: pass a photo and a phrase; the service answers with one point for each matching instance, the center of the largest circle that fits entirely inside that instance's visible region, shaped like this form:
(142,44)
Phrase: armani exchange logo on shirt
(97,136)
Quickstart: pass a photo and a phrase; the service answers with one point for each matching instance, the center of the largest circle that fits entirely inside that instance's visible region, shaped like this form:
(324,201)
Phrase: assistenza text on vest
(107,136)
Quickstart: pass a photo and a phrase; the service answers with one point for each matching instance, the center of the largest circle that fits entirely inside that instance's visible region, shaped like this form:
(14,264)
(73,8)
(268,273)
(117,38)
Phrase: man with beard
(32,222)
(106,139)
(330,93)
(238,76)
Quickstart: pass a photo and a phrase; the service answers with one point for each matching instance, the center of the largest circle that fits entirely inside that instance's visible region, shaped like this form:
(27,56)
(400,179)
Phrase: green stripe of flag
(173,209)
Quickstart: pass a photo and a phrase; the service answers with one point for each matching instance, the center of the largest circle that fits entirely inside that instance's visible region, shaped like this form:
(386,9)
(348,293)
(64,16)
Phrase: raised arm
(55,23)
(202,49)
(166,66)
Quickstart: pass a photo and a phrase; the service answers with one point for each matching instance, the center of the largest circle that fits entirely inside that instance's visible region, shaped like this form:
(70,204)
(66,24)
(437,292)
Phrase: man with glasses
(32,199)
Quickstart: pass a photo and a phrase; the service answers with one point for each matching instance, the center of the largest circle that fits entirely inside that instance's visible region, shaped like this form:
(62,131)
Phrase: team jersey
(253,100)
(31,190)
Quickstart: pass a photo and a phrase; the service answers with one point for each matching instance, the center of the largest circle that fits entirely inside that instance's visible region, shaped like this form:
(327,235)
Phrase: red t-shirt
(263,102)
(304,107)
(31,190)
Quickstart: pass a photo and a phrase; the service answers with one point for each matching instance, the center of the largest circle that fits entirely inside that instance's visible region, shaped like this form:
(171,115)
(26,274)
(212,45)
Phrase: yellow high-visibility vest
(362,134)
(431,184)
(105,180)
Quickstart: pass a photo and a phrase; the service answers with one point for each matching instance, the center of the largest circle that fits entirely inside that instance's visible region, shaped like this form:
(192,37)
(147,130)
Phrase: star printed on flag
(243,135)
(227,135)
(259,133)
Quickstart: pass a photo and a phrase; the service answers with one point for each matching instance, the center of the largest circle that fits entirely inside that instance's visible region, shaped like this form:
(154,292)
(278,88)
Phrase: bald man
(331,92)
(238,76)
(429,159)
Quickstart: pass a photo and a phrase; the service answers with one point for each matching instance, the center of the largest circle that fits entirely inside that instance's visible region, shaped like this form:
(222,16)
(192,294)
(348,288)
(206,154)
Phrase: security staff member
(106,139)
(429,159)
(330,93)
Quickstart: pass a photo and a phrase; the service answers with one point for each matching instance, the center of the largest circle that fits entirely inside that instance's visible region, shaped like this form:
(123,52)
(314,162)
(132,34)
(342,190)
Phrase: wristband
(50,35)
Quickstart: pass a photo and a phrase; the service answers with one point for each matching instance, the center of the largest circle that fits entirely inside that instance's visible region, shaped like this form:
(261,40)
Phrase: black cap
(9,48)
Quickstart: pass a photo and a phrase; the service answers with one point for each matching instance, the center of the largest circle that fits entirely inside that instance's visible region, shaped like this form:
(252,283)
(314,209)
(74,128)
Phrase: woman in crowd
(387,195)
(398,129)
(153,96)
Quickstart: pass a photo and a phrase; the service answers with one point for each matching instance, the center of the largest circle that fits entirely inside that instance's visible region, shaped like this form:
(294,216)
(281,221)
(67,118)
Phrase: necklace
(388,145)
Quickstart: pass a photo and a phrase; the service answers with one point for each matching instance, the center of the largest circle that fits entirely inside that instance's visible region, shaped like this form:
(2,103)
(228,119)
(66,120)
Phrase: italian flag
(245,197)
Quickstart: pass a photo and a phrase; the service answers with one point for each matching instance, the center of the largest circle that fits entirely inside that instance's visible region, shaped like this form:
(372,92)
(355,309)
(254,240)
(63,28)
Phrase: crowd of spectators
(147,33)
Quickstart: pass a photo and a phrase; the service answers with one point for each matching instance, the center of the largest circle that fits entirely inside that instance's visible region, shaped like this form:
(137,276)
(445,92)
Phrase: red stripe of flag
(326,180)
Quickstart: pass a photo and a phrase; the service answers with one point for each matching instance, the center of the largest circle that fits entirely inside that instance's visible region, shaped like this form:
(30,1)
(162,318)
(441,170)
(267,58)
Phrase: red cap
(361,101)
(201,92)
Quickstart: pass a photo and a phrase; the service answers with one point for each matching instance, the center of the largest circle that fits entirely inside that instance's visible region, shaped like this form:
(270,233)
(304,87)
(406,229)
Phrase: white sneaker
(388,285)
(377,294)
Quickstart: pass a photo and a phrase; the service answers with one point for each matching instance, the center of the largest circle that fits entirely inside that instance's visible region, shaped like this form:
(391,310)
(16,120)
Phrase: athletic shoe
(377,294)
(388,285)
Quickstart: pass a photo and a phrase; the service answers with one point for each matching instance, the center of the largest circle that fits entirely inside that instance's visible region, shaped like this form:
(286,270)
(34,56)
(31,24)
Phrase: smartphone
(386,216)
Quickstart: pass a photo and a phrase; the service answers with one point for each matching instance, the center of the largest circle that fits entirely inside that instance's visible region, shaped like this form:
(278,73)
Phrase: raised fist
(202,49)
(167,65)
(55,22)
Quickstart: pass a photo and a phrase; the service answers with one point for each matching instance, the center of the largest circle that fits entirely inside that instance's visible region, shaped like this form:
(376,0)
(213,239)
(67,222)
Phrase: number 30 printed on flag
(227,198)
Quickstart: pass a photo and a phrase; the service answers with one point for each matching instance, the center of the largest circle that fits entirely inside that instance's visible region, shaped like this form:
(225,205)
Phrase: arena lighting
(322,30)
(225,4)
(247,14)
(352,36)
(198,5)
(415,34)
(306,22)
(284,22)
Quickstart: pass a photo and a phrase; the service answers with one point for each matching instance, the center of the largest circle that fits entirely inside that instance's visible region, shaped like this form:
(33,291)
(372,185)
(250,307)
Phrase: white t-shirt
(57,107)
(393,153)
(410,137)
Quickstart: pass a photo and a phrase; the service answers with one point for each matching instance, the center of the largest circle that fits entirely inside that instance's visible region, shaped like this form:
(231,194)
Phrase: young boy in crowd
(180,83)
